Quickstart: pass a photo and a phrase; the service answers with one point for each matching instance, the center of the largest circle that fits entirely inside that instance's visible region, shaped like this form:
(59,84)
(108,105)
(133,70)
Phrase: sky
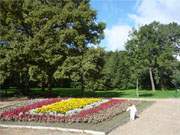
(121,16)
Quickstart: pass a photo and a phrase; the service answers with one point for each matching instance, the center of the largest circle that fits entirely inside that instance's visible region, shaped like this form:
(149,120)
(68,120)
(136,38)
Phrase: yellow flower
(67,105)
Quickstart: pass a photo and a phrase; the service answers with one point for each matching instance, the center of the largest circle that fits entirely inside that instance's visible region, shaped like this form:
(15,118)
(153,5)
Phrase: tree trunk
(19,84)
(162,85)
(43,86)
(152,80)
(82,75)
(1,93)
(62,83)
(50,83)
(82,86)
(5,92)
(137,88)
(26,82)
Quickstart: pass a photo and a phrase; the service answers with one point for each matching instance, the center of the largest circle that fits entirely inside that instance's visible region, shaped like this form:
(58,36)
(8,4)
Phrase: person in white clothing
(132,112)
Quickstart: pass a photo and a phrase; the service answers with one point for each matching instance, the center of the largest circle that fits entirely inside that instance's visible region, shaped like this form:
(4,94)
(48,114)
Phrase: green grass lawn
(131,93)
(75,92)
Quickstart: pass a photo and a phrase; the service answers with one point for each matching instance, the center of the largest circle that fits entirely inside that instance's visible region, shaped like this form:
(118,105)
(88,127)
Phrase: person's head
(130,104)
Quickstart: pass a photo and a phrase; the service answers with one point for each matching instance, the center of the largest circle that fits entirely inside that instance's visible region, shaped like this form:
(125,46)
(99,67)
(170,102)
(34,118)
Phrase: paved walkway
(162,118)
(14,131)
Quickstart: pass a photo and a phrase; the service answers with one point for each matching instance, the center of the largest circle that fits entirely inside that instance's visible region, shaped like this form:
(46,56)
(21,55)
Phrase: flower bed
(12,113)
(102,112)
(19,104)
(64,106)
(92,110)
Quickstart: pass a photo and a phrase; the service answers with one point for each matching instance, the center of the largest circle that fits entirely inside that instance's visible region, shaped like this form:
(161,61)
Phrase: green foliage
(44,40)
(85,68)
(36,74)
(153,47)
(117,70)
(176,76)
(42,34)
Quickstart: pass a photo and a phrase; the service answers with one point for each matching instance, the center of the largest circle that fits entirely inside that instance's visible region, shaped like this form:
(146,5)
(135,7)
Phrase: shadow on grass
(76,92)
(66,92)
(146,95)
(110,94)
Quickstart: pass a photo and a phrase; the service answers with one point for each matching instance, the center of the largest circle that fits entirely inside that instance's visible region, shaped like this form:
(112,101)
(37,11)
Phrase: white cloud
(147,11)
(164,11)
(117,36)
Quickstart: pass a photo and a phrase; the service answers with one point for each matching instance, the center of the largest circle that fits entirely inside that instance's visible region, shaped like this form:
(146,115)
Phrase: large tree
(14,34)
(154,47)
(86,69)
(48,32)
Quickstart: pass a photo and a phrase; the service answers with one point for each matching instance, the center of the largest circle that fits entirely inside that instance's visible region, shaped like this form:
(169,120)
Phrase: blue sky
(121,15)
(114,11)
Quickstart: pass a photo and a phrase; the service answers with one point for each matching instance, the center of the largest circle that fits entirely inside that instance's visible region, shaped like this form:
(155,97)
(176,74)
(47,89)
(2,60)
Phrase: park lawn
(75,92)
(131,93)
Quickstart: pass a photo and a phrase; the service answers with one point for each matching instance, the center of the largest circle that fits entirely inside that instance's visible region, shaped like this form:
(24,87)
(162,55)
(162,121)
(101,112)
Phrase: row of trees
(47,41)
(150,58)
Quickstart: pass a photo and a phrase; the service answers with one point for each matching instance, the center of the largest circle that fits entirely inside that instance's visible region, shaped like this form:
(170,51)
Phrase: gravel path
(162,118)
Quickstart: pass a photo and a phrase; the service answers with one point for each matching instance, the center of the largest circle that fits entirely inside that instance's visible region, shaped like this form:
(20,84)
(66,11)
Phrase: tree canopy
(44,41)
(43,34)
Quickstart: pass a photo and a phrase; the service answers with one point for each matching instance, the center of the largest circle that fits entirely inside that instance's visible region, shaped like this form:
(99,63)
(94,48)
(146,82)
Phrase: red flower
(18,112)
(83,116)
